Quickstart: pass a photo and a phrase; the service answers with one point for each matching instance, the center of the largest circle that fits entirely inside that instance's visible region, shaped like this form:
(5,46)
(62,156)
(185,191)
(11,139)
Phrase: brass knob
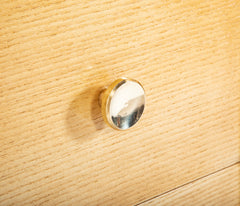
(122,103)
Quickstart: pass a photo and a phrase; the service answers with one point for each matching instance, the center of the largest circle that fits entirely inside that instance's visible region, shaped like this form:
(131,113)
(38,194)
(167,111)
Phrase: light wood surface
(54,58)
(221,189)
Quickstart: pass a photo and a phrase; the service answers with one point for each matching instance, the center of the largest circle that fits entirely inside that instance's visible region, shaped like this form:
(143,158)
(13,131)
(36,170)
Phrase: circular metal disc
(123,103)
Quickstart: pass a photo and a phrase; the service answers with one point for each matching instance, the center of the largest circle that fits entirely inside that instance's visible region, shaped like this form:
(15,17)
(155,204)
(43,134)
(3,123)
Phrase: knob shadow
(83,118)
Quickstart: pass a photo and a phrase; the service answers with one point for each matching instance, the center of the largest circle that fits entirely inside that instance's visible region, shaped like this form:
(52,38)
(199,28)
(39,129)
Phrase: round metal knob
(122,103)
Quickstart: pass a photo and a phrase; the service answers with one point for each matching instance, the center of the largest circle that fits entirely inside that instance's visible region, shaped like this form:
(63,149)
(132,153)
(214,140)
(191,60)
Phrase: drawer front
(56,56)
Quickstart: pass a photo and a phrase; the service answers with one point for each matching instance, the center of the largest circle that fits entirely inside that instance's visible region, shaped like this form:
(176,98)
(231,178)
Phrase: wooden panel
(55,56)
(221,188)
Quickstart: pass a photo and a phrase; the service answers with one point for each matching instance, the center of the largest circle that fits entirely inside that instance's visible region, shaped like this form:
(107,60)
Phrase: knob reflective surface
(122,103)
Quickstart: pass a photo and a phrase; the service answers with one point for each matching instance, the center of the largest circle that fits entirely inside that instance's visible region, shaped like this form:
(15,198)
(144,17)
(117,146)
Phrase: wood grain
(54,58)
(221,188)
